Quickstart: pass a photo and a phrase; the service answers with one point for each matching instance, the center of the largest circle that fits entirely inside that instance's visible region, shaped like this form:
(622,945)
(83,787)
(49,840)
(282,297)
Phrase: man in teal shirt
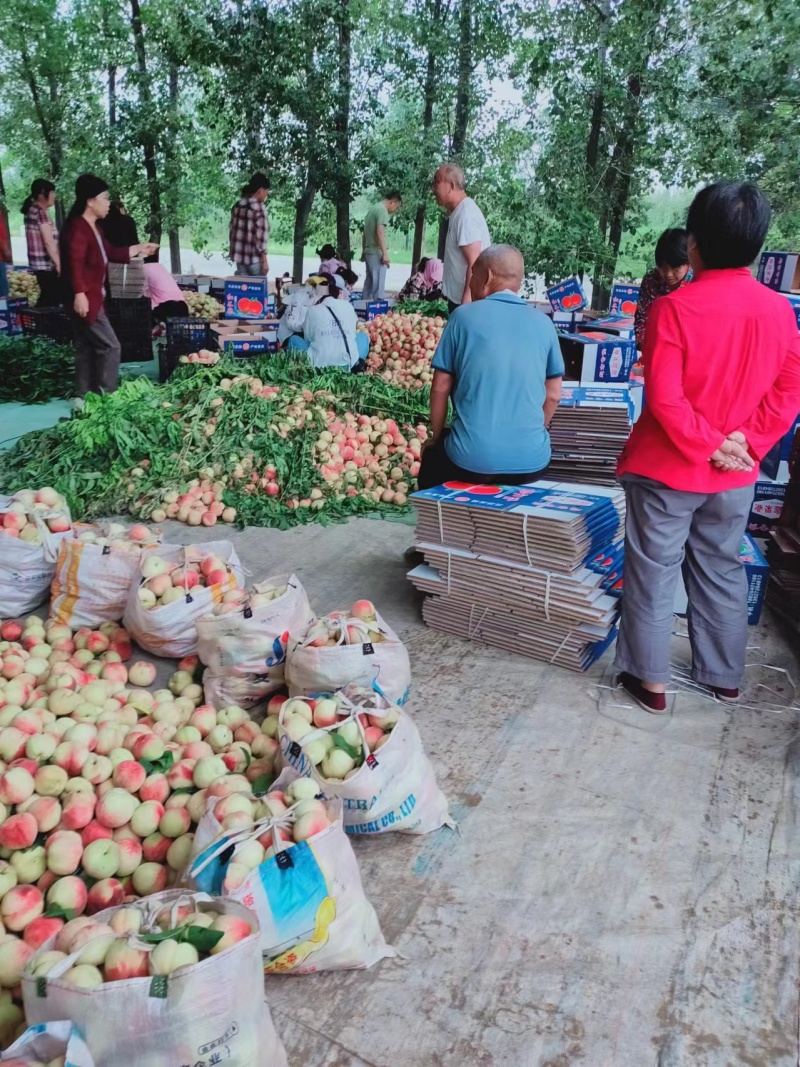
(500,363)
(374,250)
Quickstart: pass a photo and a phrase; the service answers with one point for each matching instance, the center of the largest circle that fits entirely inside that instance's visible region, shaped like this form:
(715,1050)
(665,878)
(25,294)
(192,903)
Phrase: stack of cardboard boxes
(249,326)
(530,569)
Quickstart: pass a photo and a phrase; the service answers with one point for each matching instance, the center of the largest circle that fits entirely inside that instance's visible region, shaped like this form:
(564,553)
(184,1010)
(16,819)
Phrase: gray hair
(504,261)
(451,172)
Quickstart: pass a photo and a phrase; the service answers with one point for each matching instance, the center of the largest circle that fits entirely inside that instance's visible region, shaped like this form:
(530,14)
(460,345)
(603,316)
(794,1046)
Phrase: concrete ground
(622,890)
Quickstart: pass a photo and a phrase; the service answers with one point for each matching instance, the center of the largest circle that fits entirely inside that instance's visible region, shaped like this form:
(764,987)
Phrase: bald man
(500,363)
(467,233)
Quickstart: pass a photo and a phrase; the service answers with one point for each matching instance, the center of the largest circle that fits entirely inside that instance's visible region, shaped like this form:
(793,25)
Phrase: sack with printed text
(49,1045)
(368,753)
(340,649)
(32,525)
(180,981)
(175,587)
(96,568)
(295,867)
(243,641)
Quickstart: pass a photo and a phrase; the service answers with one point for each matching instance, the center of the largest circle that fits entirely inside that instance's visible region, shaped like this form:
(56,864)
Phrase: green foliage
(35,370)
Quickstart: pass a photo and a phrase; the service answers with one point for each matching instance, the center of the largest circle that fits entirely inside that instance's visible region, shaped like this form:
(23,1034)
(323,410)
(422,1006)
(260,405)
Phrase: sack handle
(233,838)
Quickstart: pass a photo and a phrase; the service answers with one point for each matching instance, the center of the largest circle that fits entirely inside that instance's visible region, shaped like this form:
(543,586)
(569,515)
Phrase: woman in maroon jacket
(85,255)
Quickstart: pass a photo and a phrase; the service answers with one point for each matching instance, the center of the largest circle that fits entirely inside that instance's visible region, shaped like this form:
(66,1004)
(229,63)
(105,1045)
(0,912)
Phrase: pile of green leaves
(35,370)
(429,308)
(89,458)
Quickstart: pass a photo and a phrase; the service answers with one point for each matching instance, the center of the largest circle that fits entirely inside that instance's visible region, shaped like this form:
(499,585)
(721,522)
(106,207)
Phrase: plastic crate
(184,336)
(46,322)
(132,322)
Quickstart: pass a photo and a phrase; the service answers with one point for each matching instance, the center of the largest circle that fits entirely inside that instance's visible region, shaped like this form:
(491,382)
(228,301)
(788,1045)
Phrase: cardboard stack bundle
(588,431)
(531,569)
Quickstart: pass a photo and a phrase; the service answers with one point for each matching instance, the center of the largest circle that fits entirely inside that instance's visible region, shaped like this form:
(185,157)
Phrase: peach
(78,785)
(129,776)
(29,863)
(234,929)
(97,769)
(16,785)
(180,852)
(64,850)
(41,930)
(19,831)
(130,856)
(93,831)
(169,956)
(14,954)
(309,824)
(12,743)
(46,811)
(11,630)
(126,921)
(233,802)
(115,809)
(69,893)
(78,810)
(204,719)
(229,783)
(155,848)
(97,642)
(197,804)
(83,976)
(146,818)
(123,962)
(70,757)
(142,673)
(150,878)
(101,858)
(196,750)
(40,747)
(155,787)
(207,770)
(94,940)
(180,775)
(20,906)
(175,822)
(67,935)
(45,962)
(63,701)
(148,747)
(107,893)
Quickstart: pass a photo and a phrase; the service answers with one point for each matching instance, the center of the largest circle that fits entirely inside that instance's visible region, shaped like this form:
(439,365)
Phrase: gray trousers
(666,530)
(375,281)
(97,355)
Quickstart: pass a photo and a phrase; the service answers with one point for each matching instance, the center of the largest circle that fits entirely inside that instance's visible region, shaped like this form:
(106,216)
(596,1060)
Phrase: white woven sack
(309,899)
(381,665)
(171,630)
(394,789)
(215,1005)
(245,651)
(26,570)
(92,582)
(46,1041)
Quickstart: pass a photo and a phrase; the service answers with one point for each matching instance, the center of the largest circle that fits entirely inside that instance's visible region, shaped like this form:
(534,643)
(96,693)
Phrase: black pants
(170,309)
(452,305)
(50,284)
(436,467)
(97,355)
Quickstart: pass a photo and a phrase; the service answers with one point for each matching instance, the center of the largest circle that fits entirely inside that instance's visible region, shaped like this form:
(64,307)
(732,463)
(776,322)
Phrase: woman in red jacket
(722,366)
(85,255)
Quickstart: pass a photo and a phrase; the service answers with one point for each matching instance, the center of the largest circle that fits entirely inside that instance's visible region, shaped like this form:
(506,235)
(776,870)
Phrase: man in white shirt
(467,233)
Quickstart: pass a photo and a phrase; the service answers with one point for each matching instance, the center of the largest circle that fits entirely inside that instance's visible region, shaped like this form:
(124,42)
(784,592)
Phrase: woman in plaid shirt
(671,272)
(249,229)
(42,239)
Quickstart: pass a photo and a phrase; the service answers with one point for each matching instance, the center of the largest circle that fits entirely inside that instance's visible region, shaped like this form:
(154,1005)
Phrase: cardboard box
(766,508)
(780,271)
(775,464)
(9,316)
(369,310)
(126,281)
(624,300)
(757,570)
(245,298)
(592,357)
(619,325)
(244,345)
(795,302)
(567,296)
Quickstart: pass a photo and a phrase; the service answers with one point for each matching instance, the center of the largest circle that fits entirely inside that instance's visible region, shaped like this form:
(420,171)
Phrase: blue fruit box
(775,464)
(567,296)
(780,271)
(246,298)
(246,346)
(592,357)
(766,508)
(619,325)
(369,310)
(9,317)
(795,302)
(624,300)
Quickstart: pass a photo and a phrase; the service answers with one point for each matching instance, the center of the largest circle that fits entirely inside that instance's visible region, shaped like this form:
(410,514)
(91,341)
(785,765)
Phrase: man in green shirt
(374,251)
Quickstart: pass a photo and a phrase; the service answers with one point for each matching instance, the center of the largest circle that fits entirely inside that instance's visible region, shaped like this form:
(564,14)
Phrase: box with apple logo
(567,296)
(596,357)
(245,298)
(624,300)
(780,271)
(766,508)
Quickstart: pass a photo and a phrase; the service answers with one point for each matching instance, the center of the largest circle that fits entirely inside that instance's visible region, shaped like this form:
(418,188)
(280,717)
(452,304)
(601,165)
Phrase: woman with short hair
(722,366)
(670,273)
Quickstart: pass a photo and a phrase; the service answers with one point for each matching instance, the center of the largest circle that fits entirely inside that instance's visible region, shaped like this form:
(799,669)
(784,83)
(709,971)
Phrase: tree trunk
(147,135)
(3,208)
(463,100)
(302,213)
(617,190)
(342,137)
(603,8)
(172,175)
(427,122)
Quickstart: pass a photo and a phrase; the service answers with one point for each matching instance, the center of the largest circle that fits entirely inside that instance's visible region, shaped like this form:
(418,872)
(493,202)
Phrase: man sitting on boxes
(499,362)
